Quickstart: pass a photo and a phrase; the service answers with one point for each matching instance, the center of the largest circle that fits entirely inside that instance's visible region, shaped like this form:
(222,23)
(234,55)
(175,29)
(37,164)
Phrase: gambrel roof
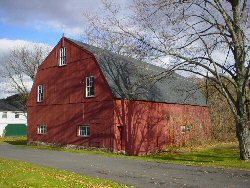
(132,79)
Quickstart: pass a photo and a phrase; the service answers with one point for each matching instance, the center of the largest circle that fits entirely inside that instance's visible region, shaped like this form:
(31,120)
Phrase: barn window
(62,60)
(186,128)
(183,129)
(41,129)
(4,115)
(40,93)
(90,86)
(84,131)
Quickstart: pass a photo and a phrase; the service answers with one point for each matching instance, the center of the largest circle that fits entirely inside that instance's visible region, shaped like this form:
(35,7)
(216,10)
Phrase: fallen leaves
(21,174)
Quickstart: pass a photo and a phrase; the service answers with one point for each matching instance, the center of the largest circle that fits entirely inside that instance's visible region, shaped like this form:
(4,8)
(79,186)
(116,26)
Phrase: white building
(10,115)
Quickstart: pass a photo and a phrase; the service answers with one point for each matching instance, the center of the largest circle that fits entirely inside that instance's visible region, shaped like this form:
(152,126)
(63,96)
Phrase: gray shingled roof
(132,79)
(4,106)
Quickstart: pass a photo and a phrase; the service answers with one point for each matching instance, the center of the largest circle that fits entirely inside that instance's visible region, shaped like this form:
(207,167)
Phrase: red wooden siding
(65,106)
(149,126)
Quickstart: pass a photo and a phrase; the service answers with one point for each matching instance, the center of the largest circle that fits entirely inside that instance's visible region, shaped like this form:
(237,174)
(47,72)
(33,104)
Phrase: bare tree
(21,67)
(206,37)
(222,119)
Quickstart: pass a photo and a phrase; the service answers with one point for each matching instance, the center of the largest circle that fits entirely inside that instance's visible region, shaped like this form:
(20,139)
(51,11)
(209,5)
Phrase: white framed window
(90,86)
(183,129)
(62,60)
(41,129)
(186,128)
(16,115)
(4,115)
(84,130)
(40,91)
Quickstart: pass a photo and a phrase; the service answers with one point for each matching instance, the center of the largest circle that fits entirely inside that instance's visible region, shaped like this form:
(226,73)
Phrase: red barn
(91,97)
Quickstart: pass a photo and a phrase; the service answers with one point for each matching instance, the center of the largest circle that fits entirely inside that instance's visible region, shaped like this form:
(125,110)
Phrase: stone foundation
(69,146)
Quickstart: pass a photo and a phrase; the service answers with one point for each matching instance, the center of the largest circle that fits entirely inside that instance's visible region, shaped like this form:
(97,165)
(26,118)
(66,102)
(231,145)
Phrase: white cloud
(162,61)
(61,15)
(6,45)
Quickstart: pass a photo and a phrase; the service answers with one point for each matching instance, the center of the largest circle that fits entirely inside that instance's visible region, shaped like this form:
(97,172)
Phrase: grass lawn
(21,174)
(225,155)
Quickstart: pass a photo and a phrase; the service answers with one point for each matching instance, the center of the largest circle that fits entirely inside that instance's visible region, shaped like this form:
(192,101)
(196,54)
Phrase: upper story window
(84,131)
(16,115)
(62,56)
(40,93)
(90,86)
(4,115)
(41,129)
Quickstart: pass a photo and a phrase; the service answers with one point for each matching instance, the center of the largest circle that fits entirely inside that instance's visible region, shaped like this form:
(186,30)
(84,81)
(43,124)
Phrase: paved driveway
(131,172)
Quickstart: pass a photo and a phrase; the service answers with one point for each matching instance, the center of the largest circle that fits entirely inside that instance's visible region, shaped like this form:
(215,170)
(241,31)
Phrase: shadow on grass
(219,155)
(16,142)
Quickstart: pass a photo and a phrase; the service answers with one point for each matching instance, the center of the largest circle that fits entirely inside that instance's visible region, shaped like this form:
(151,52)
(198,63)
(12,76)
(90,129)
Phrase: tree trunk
(243,134)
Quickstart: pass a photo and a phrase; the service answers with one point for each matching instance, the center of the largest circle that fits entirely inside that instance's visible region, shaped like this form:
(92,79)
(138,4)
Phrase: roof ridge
(123,56)
(127,75)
